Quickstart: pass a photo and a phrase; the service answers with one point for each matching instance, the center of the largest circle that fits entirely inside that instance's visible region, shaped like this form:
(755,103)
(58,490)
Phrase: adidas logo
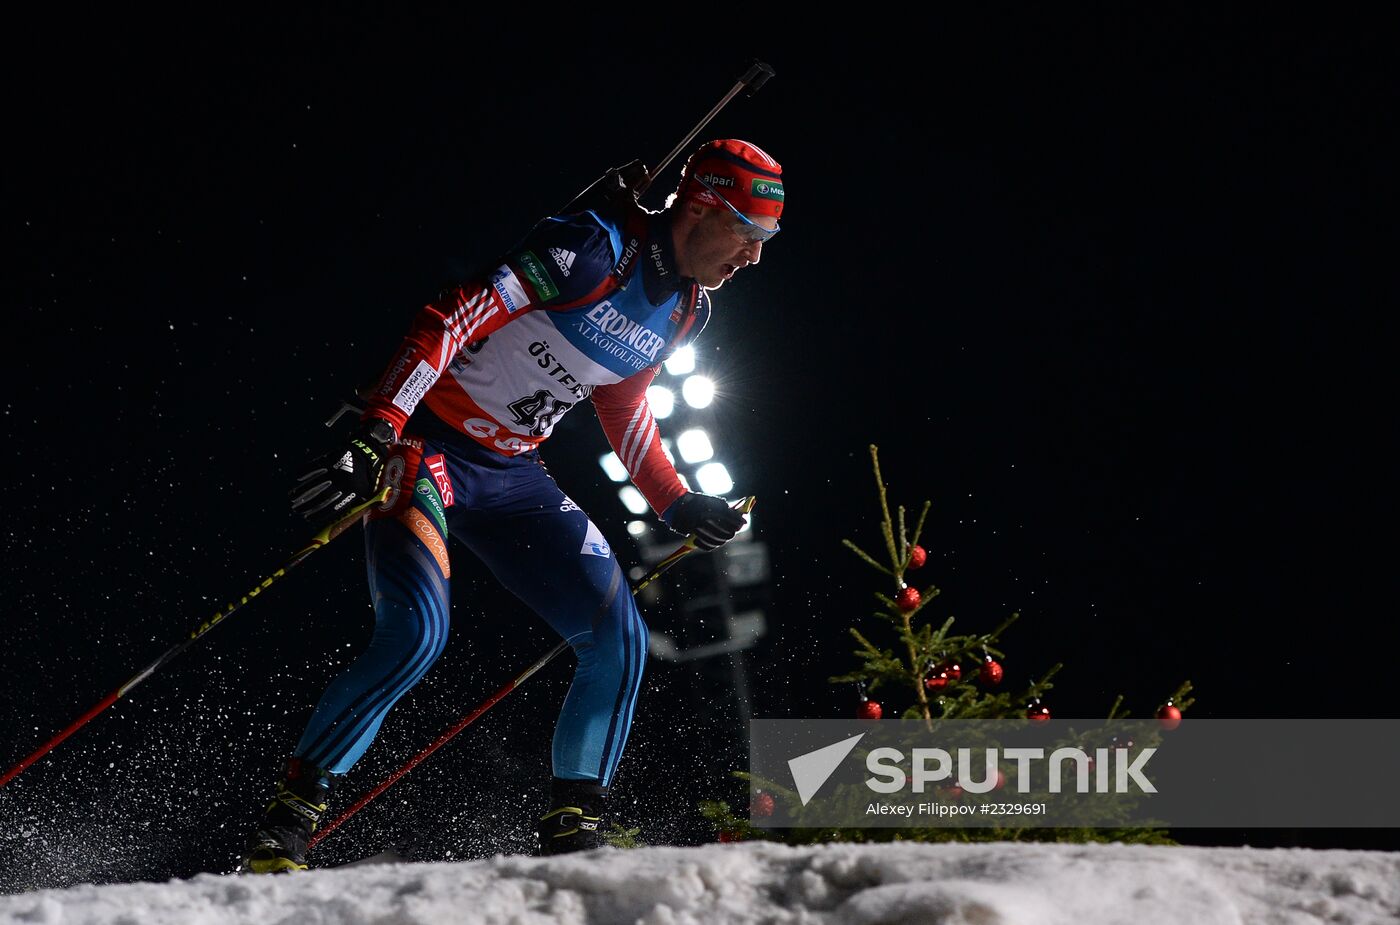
(346,464)
(564,258)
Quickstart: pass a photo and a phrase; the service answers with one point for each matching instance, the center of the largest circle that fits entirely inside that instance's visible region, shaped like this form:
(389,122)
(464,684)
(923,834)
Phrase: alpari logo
(628,253)
(715,179)
(400,365)
(658,259)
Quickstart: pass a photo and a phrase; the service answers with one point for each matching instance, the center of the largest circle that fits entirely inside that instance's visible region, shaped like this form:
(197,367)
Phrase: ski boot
(280,844)
(574,822)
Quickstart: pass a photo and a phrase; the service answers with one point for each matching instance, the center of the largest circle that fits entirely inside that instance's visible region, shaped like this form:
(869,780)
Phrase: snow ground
(981,884)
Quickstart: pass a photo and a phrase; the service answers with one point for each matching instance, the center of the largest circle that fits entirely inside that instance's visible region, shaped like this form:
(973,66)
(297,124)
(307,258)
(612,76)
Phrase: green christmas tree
(940,675)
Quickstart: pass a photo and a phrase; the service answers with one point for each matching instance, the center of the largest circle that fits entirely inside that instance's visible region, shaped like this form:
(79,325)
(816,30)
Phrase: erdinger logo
(623,333)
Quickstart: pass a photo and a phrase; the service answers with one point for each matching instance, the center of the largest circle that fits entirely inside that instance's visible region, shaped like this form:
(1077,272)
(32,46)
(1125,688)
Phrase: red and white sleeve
(626,417)
(468,313)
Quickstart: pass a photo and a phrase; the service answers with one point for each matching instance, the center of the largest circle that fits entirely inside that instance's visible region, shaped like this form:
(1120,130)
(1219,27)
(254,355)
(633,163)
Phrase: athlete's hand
(710,518)
(344,477)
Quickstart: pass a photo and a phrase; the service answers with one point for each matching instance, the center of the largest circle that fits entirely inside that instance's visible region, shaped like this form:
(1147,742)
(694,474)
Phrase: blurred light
(668,448)
(684,481)
(638,527)
(714,478)
(748,523)
(681,362)
(613,467)
(632,499)
(698,391)
(662,400)
(695,446)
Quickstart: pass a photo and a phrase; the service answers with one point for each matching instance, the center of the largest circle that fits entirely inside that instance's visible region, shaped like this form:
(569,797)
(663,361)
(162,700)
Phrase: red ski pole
(437,743)
(320,539)
(744,504)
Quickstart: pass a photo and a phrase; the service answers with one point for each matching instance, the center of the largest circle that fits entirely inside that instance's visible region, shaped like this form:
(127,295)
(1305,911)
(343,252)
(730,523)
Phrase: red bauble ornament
(907,599)
(917,557)
(1001,780)
(936,681)
(869,709)
(727,837)
(953,790)
(762,805)
(1169,716)
(1038,713)
(952,669)
(990,672)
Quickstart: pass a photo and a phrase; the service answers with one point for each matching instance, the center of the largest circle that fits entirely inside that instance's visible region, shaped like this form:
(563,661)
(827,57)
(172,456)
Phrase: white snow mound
(946,884)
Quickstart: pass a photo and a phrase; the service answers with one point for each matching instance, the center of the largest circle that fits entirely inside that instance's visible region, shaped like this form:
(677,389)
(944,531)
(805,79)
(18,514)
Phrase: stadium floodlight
(695,446)
(698,391)
(638,527)
(632,499)
(662,400)
(613,467)
(714,478)
(681,362)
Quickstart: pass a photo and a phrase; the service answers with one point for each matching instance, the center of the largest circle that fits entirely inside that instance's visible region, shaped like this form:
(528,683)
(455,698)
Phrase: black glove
(345,477)
(710,518)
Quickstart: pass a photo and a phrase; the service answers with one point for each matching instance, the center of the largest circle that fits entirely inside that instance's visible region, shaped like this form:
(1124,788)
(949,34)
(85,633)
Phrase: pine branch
(1015,615)
(1038,688)
(869,647)
(864,555)
(884,504)
(903,559)
(1181,698)
(916,674)
(919,528)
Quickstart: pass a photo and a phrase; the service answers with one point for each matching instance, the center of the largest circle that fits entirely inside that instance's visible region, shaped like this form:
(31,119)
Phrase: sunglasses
(749,230)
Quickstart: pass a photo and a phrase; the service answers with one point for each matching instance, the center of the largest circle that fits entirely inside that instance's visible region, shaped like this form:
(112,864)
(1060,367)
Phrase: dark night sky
(1107,292)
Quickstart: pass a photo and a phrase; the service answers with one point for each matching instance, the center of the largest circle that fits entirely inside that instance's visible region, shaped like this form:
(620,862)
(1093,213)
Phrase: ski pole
(754,78)
(437,743)
(744,504)
(320,539)
(616,180)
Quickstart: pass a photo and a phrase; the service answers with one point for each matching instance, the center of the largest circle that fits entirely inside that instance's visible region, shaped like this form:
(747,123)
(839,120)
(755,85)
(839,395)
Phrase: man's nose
(753,251)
